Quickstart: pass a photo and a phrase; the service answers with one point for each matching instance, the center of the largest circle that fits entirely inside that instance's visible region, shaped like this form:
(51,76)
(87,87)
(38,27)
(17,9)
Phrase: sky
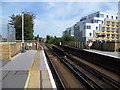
(52,18)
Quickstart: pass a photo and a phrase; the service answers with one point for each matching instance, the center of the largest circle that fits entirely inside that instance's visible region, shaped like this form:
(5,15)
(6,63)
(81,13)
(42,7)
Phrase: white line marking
(49,71)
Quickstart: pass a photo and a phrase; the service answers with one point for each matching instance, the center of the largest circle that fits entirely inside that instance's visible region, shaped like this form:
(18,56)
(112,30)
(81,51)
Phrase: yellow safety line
(29,75)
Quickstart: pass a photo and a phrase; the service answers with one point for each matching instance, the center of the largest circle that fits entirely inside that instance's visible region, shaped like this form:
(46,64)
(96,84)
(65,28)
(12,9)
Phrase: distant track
(75,66)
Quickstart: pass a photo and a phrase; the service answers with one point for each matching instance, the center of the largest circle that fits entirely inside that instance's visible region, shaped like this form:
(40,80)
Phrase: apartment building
(69,31)
(99,26)
(119,20)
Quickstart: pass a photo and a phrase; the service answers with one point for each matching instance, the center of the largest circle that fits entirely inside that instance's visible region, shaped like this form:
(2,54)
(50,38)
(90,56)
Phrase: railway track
(61,74)
(106,62)
(55,74)
(86,74)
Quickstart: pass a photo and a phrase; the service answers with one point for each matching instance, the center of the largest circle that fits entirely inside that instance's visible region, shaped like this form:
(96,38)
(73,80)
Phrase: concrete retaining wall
(106,46)
(8,50)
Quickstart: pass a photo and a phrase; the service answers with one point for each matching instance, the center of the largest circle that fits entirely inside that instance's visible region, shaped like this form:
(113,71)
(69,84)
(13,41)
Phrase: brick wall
(8,50)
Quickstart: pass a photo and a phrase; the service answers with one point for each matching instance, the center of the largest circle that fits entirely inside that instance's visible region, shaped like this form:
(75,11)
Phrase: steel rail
(56,76)
(77,73)
(93,70)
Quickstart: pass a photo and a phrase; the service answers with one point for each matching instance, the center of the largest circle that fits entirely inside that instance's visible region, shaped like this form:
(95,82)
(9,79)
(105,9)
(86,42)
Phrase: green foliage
(68,38)
(16,20)
(36,38)
(56,40)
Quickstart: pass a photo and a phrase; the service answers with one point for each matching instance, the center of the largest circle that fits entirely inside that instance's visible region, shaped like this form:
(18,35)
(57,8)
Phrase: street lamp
(23,49)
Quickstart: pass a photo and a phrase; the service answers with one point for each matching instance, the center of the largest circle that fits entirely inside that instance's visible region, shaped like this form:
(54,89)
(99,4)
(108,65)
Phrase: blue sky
(52,18)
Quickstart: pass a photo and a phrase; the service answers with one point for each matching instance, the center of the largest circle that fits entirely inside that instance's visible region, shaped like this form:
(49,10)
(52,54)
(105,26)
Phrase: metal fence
(7,33)
(11,33)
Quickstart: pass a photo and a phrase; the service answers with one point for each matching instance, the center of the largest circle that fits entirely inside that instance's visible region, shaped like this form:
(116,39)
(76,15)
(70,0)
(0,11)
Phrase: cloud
(59,16)
(54,17)
(61,1)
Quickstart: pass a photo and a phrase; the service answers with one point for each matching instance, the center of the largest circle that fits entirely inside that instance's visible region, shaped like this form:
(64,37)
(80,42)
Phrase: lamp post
(8,32)
(23,49)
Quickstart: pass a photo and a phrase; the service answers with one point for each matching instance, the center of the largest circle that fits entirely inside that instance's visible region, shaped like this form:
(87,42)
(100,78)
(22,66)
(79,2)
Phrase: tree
(68,38)
(56,40)
(16,20)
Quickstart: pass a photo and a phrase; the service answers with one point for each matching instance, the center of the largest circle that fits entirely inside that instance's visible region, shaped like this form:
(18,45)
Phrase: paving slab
(15,79)
(45,79)
(15,72)
(34,77)
(21,62)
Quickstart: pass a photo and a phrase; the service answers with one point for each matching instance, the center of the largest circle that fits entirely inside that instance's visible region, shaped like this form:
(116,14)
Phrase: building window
(113,28)
(96,21)
(88,27)
(90,34)
(101,15)
(108,22)
(97,15)
(108,35)
(102,22)
(113,35)
(116,17)
(108,28)
(107,16)
(92,21)
(103,28)
(112,17)
(113,22)
(84,26)
(96,28)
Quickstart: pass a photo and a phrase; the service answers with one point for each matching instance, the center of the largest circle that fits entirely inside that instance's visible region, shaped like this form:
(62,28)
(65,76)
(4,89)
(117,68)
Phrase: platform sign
(30,44)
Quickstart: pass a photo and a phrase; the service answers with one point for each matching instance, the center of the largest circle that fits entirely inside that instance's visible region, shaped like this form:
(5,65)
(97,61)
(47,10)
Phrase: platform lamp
(23,49)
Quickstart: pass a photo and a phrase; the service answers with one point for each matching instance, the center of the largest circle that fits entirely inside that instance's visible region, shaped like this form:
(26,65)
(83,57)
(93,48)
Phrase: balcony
(113,33)
(108,30)
(98,39)
(103,39)
(111,20)
(113,30)
(108,24)
(108,37)
(104,30)
(108,33)
(97,32)
(113,24)
(103,33)
(113,37)
(114,27)
(90,39)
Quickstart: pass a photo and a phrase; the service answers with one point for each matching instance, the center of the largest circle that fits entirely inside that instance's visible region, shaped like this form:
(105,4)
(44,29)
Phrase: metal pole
(23,49)
(7,32)
(14,34)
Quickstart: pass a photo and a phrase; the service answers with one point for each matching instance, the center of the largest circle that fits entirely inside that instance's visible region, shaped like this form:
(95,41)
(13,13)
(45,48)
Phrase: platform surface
(107,53)
(29,69)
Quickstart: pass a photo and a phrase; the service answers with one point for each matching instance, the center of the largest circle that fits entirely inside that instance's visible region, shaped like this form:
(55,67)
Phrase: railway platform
(27,70)
(107,53)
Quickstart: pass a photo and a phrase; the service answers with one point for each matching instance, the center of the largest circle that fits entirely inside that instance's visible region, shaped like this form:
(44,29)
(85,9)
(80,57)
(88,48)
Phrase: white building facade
(69,31)
(99,26)
(119,20)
